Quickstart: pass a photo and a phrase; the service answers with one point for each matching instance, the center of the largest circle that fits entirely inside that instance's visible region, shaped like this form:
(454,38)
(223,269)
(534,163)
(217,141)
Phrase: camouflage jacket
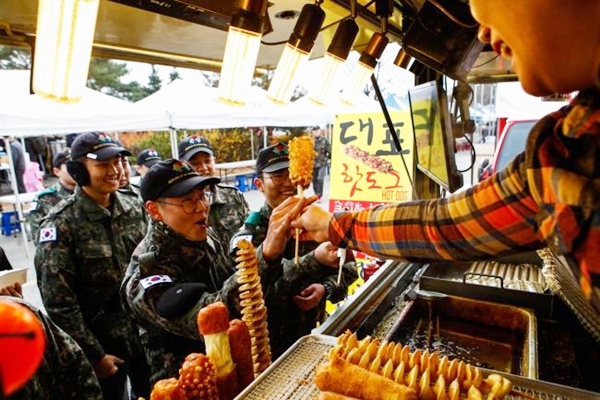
(42,204)
(282,280)
(163,260)
(323,150)
(82,255)
(227,211)
(65,372)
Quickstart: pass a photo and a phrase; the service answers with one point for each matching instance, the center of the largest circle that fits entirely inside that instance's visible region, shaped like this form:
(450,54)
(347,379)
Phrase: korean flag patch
(48,234)
(154,280)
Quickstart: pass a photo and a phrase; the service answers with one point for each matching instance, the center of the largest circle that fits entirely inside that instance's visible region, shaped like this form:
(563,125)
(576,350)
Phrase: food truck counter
(521,315)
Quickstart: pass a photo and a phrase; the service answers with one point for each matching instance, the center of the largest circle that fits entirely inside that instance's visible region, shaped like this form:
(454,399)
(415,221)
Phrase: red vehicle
(511,142)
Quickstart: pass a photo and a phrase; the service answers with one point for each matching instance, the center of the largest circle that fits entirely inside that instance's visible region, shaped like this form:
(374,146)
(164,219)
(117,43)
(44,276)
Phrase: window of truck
(512,143)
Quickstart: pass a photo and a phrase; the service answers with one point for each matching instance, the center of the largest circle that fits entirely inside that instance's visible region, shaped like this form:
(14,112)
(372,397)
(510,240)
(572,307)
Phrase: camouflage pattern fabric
(43,203)
(65,372)
(282,280)
(82,255)
(228,211)
(323,150)
(165,259)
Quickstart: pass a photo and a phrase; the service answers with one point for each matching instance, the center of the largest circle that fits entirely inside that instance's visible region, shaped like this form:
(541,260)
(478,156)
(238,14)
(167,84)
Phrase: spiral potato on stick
(254,311)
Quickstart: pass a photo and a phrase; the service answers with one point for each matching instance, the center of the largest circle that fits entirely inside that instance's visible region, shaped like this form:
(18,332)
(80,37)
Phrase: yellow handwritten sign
(366,167)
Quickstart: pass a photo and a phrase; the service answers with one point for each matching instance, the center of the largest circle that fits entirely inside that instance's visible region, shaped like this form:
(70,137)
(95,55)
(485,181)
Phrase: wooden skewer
(297,250)
(342,256)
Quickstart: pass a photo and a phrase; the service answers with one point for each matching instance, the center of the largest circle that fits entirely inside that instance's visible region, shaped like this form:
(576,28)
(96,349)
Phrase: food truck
(522,316)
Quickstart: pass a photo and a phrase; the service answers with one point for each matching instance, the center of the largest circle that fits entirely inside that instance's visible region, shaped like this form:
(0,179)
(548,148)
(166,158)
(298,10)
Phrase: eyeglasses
(280,178)
(189,206)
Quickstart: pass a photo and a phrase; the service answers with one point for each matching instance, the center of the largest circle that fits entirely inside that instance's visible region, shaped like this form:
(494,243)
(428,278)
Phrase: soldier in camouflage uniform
(65,372)
(84,247)
(323,153)
(51,196)
(178,268)
(296,295)
(228,208)
(146,159)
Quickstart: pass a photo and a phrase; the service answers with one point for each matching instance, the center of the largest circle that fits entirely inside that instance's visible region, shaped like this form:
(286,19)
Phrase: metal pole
(18,206)
(174,144)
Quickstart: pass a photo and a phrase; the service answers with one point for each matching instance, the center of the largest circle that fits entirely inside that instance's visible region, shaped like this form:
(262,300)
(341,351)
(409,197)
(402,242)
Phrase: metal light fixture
(241,51)
(63,48)
(334,59)
(402,59)
(296,52)
(364,68)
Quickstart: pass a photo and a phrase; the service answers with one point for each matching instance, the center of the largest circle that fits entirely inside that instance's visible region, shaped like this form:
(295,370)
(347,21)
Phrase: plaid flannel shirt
(548,196)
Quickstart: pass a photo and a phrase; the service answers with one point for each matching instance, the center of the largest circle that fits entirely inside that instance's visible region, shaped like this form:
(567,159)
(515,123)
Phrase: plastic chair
(10,223)
(242,183)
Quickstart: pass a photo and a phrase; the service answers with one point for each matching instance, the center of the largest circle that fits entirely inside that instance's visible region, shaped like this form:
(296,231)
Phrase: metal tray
(499,332)
(291,376)
(454,278)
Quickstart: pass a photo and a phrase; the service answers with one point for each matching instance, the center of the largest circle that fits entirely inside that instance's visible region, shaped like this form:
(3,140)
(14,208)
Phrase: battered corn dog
(197,378)
(431,376)
(340,376)
(254,312)
(302,160)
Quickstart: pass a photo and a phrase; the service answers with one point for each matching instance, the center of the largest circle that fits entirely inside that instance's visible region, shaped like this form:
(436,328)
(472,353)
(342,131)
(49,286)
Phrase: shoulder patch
(48,234)
(253,218)
(61,205)
(155,280)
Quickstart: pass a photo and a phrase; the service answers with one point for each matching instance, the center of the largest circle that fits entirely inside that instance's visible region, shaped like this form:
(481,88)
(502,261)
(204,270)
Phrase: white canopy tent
(192,105)
(23,114)
(513,103)
(327,113)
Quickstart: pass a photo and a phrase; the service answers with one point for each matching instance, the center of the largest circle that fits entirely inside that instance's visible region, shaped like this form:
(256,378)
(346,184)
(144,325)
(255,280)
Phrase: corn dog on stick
(254,311)
(431,376)
(302,160)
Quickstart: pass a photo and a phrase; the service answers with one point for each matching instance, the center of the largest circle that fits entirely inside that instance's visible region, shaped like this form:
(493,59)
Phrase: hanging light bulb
(63,48)
(241,51)
(295,54)
(364,68)
(334,59)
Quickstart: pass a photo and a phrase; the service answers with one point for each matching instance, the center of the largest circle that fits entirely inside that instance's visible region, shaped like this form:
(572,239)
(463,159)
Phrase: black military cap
(172,178)
(61,158)
(148,157)
(192,145)
(97,146)
(273,158)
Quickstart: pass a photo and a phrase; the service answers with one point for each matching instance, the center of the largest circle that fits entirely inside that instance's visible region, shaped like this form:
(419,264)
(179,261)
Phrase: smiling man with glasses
(178,268)
(228,207)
